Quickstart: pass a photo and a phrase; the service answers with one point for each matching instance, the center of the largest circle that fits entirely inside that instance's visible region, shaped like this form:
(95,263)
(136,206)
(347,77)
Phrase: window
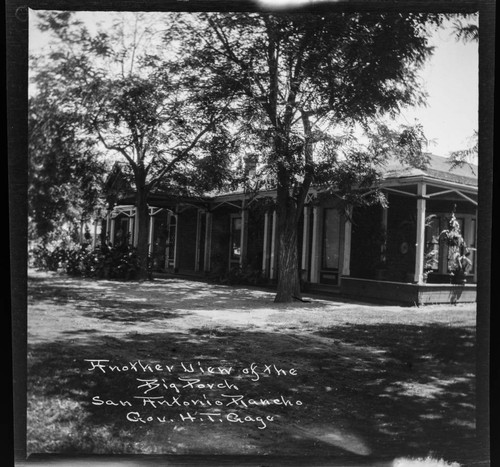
(235,252)
(331,239)
(122,234)
(172,228)
(432,243)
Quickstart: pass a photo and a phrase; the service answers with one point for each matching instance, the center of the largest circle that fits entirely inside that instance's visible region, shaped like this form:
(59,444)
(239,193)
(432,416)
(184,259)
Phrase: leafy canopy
(302,83)
(65,174)
(123,86)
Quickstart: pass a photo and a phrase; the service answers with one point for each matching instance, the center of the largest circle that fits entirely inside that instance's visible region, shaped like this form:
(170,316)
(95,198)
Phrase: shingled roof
(439,168)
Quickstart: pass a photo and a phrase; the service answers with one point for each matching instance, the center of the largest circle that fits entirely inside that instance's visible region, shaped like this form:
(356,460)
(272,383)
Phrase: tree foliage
(65,174)
(298,78)
(466,28)
(467,156)
(124,89)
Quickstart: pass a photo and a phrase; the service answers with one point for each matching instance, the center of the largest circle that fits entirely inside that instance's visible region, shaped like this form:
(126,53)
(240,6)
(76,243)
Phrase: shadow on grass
(90,305)
(165,296)
(382,390)
(130,315)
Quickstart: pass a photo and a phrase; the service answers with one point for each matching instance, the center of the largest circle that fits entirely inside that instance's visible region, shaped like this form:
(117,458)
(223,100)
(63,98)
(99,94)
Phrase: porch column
(272,268)
(136,227)
(243,236)
(81,231)
(420,245)
(305,240)
(265,246)
(108,227)
(385,217)
(167,247)
(176,245)
(94,237)
(151,233)
(112,231)
(198,238)
(208,241)
(346,253)
(131,230)
(315,246)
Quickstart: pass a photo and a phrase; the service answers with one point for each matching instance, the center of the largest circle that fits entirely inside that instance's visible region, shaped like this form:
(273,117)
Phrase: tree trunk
(142,231)
(288,288)
(289,211)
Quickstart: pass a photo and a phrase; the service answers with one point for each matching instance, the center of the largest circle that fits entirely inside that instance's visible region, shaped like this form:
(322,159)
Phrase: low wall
(406,293)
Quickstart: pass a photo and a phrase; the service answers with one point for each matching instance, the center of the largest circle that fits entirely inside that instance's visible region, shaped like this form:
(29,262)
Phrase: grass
(388,382)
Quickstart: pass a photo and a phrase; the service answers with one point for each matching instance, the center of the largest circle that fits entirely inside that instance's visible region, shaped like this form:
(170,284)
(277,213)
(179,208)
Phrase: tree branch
(182,155)
(114,147)
(244,66)
(272,63)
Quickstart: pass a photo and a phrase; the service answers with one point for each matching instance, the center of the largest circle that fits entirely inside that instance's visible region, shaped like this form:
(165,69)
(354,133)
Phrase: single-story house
(376,253)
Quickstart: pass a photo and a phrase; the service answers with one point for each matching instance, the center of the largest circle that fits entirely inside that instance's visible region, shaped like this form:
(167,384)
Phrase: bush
(81,261)
(48,260)
(238,275)
(115,262)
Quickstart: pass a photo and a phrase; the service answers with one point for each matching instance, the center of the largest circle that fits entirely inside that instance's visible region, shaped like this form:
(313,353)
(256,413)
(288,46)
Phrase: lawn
(172,366)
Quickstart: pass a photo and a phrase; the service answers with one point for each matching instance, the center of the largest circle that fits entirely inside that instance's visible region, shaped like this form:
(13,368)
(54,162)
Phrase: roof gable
(438,168)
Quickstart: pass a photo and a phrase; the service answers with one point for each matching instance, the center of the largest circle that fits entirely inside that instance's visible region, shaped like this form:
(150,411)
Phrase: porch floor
(408,293)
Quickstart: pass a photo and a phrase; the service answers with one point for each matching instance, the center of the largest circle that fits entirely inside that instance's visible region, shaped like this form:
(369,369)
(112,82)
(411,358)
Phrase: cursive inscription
(189,392)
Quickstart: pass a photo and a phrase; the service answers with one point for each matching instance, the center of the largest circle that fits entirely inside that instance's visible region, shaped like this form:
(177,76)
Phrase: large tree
(300,77)
(124,87)
(65,173)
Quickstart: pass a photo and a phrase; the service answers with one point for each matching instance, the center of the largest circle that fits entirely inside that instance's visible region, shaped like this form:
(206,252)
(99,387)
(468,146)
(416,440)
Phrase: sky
(450,78)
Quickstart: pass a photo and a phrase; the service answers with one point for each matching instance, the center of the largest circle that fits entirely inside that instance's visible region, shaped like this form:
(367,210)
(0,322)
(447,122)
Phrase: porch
(374,253)
(368,290)
(407,293)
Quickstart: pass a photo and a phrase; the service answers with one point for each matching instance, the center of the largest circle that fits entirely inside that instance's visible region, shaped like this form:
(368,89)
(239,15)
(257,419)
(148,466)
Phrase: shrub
(48,259)
(106,262)
(117,262)
(81,261)
(238,275)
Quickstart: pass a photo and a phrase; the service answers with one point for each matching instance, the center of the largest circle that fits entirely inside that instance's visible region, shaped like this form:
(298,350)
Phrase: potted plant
(459,263)
(430,259)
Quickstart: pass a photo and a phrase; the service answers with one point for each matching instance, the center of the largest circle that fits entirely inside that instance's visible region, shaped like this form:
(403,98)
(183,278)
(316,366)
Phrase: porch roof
(442,182)
(458,183)
(439,169)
